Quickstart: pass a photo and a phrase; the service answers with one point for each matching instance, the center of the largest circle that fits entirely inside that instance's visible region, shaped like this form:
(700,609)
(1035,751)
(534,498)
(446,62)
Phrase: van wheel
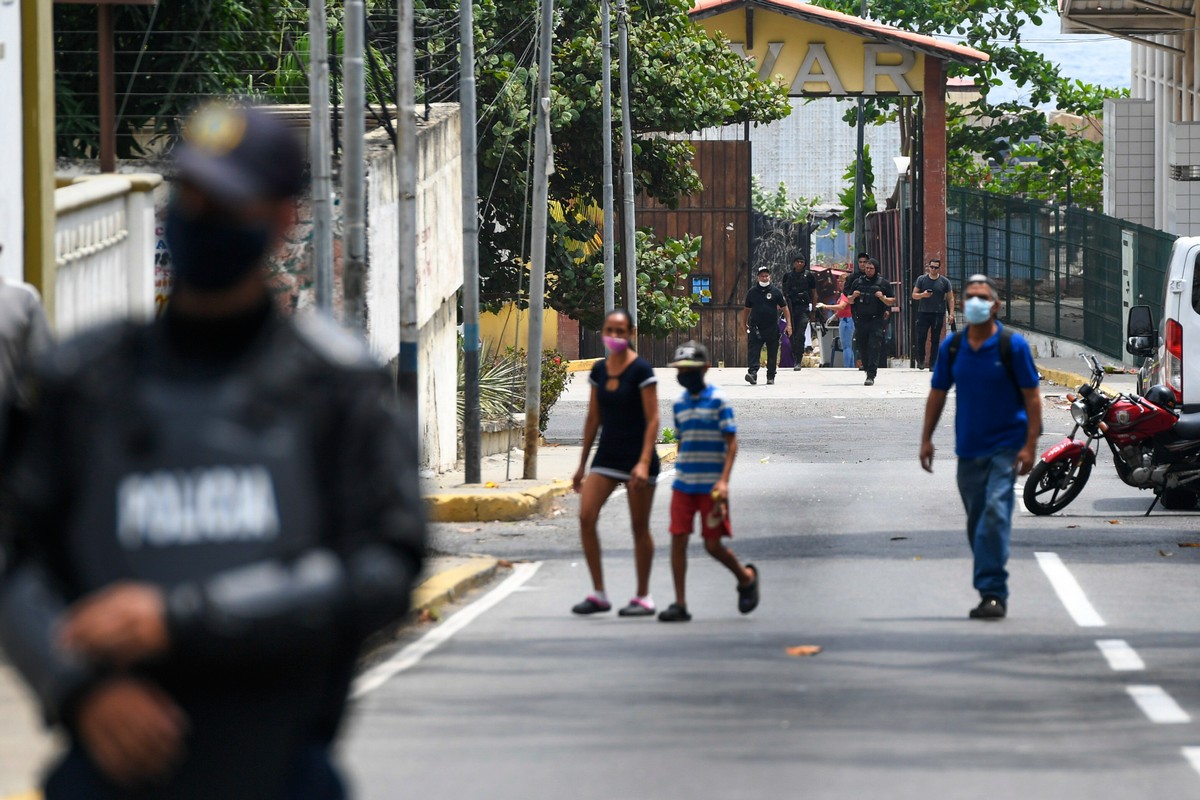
(1178,499)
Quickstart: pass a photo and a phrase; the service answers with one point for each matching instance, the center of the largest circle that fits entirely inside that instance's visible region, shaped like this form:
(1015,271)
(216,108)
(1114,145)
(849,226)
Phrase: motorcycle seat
(1188,426)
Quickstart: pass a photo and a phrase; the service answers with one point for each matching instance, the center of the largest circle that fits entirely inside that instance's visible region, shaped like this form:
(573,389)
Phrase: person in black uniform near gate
(763,304)
(799,286)
(935,308)
(872,296)
(206,515)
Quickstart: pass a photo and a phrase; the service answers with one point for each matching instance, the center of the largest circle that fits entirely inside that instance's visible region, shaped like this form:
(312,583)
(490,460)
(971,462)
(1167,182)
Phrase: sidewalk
(26,746)
(503,495)
(1071,372)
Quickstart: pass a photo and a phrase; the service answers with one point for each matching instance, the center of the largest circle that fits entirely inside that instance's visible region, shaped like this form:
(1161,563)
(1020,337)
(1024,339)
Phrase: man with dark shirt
(935,307)
(207,515)
(799,286)
(764,301)
(872,296)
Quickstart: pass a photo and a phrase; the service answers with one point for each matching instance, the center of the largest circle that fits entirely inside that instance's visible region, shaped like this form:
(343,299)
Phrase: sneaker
(989,608)
(748,595)
(770,381)
(869,382)
(751,379)
(675,613)
(797,368)
(591,606)
(920,366)
(637,608)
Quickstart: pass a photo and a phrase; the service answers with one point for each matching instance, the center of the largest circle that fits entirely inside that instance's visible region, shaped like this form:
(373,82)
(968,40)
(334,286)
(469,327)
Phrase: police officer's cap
(690,354)
(240,155)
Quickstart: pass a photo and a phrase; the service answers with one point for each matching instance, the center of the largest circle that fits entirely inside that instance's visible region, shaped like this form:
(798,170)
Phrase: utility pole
(860,234)
(353,167)
(406,156)
(606,136)
(542,155)
(322,171)
(470,213)
(630,233)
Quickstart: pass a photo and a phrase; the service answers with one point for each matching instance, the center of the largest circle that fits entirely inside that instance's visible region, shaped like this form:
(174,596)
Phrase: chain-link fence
(1059,268)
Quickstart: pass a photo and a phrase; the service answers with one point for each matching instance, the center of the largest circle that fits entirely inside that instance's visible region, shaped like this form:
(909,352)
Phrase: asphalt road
(860,553)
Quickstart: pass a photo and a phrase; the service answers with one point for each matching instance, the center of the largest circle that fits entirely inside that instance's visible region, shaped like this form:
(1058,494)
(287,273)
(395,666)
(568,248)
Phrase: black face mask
(211,254)
(692,381)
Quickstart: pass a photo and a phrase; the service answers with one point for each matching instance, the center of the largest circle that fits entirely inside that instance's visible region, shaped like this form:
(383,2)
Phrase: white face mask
(977,310)
(764,284)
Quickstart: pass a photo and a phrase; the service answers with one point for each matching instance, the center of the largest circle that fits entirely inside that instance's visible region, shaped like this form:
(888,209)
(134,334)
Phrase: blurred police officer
(872,296)
(764,302)
(209,513)
(799,286)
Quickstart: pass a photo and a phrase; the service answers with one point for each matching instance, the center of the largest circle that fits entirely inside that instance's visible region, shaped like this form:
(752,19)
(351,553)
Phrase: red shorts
(684,508)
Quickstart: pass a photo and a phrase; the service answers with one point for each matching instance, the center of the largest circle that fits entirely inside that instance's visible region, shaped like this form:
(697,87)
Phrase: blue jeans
(846,335)
(986,486)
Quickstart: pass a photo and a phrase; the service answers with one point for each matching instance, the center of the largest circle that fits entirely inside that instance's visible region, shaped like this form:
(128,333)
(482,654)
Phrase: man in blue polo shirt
(997,421)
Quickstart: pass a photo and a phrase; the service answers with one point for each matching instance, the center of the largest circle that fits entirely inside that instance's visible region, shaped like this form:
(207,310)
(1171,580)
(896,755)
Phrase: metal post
(108,98)
(606,137)
(542,156)
(470,213)
(406,170)
(628,227)
(353,167)
(860,235)
(322,178)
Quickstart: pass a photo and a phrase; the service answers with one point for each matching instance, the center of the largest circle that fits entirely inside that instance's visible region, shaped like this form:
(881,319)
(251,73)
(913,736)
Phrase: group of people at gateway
(997,424)
(863,312)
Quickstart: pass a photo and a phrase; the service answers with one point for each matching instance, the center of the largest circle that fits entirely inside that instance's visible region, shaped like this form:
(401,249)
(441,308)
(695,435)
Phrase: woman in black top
(624,408)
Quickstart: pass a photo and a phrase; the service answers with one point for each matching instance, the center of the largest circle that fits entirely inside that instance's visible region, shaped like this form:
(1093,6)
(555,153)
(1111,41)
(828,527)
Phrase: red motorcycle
(1152,449)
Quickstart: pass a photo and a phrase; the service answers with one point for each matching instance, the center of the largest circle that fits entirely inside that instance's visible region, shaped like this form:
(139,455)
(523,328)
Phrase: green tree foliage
(778,203)
(681,80)
(993,132)
(846,196)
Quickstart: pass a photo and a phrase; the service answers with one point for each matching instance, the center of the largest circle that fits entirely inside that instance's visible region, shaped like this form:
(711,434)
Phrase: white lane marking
(1157,705)
(1120,656)
(411,655)
(1192,754)
(1069,591)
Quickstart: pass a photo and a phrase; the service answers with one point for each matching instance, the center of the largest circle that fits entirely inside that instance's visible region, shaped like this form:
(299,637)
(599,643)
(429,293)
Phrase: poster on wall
(162,270)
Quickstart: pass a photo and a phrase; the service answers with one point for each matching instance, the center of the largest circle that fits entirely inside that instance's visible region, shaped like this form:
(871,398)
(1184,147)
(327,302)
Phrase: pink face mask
(615,344)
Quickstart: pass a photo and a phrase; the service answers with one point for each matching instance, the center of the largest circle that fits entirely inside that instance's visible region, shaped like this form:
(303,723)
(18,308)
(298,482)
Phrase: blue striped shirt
(702,422)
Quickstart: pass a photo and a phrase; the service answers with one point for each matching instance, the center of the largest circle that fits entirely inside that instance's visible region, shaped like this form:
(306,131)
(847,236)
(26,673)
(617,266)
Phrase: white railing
(103,250)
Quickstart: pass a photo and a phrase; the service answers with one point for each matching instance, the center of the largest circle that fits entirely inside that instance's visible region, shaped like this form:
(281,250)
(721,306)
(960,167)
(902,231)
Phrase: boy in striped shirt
(707,446)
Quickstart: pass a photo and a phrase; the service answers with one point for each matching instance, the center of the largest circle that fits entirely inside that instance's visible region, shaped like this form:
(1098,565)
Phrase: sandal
(637,608)
(675,613)
(748,595)
(591,605)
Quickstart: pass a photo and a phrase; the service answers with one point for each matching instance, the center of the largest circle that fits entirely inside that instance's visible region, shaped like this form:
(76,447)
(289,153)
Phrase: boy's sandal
(675,613)
(748,595)
(637,608)
(591,606)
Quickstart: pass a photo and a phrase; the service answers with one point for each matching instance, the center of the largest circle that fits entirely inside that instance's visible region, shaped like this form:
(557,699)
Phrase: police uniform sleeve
(32,599)
(356,581)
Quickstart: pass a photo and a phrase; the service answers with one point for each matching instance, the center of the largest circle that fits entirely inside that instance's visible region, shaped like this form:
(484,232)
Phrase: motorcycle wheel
(1178,499)
(1051,487)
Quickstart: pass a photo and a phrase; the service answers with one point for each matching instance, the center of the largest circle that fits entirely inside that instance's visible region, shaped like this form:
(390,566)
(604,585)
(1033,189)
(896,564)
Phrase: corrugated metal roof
(1127,17)
(834,19)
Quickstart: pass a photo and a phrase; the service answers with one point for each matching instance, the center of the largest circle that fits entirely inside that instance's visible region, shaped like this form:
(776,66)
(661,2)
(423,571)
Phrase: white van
(1164,345)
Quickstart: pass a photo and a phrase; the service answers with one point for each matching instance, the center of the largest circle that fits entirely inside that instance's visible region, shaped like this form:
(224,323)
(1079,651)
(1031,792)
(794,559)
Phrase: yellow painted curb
(1071,380)
(26,796)
(583,365)
(668,453)
(445,587)
(493,505)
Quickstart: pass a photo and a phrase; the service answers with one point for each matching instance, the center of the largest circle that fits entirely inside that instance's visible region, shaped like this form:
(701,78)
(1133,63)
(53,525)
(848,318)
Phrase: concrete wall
(1185,153)
(12,206)
(439,272)
(1129,171)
